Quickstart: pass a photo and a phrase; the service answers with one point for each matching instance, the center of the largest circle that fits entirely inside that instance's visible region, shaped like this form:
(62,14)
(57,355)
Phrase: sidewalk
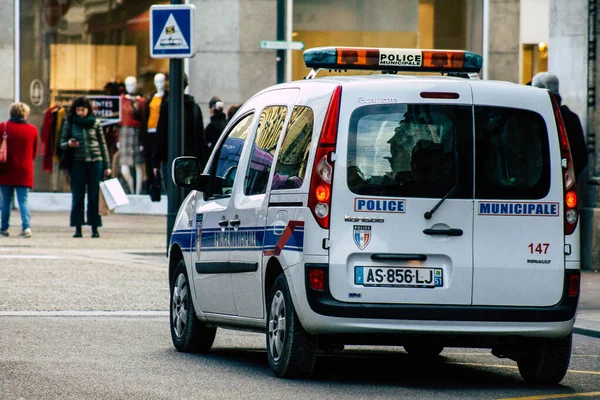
(588,314)
(148,233)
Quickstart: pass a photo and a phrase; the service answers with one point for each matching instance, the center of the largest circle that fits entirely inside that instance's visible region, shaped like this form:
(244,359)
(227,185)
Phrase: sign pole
(281,61)
(175,142)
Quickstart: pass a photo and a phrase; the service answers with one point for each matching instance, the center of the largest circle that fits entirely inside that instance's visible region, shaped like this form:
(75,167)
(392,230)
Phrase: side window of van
(512,158)
(293,156)
(410,150)
(225,165)
(265,143)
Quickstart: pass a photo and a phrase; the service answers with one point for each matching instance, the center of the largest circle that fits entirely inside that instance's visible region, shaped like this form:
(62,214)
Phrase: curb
(61,202)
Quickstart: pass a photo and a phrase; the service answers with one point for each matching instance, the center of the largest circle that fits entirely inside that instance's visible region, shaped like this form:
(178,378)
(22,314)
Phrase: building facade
(59,49)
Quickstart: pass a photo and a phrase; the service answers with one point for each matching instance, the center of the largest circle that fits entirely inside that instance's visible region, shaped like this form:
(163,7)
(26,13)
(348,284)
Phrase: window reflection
(267,136)
(293,157)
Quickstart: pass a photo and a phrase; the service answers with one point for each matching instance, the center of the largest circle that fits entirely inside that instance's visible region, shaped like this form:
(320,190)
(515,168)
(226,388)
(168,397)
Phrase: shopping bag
(102,206)
(113,193)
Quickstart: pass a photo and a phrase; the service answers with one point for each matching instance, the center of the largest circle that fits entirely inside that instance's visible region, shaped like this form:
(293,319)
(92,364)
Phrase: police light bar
(386,59)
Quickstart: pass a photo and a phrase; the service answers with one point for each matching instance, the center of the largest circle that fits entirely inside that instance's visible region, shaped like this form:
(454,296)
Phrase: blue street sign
(172,31)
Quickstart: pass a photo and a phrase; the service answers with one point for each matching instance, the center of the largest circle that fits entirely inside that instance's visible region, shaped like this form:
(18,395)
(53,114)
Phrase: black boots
(78,234)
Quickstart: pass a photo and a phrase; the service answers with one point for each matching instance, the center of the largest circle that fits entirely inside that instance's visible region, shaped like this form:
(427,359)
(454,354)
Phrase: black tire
(292,352)
(548,362)
(424,349)
(189,334)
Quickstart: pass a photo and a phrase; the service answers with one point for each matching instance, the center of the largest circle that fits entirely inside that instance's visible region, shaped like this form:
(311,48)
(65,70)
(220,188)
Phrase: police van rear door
(403,145)
(518,230)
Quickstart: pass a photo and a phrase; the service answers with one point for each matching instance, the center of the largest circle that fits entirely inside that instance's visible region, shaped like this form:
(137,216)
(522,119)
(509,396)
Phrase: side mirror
(187,173)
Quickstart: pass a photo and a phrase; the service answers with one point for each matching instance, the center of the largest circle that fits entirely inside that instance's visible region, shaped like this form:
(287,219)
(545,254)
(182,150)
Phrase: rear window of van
(410,150)
(512,158)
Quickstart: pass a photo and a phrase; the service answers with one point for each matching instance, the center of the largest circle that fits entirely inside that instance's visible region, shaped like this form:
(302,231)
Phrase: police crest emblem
(362,235)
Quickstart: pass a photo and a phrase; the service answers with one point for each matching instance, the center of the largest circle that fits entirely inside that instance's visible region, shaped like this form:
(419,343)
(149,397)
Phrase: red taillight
(319,200)
(316,278)
(573,285)
(571,212)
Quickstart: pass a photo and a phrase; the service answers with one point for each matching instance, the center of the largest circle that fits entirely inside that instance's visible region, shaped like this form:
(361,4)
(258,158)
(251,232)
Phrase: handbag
(66,159)
(4,150)
(155,188)
(65,156)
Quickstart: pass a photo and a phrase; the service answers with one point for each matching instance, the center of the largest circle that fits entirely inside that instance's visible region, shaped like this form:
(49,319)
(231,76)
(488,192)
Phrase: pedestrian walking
(21,148)
(547,80)
(193,133)
(82,136)
(218,121)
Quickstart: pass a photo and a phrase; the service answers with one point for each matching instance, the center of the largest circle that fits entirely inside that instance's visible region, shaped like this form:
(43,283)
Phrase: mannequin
(155,101)
(132,111)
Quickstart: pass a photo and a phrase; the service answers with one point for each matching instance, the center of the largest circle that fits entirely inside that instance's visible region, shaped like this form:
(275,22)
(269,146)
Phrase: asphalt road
(132,358)
(87,319)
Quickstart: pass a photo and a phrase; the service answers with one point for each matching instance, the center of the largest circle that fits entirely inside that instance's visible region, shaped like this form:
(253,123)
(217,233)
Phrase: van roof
(361,79)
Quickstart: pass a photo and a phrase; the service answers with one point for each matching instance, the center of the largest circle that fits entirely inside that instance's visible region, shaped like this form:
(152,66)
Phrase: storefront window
(440,24)
(72,48)
(535,60)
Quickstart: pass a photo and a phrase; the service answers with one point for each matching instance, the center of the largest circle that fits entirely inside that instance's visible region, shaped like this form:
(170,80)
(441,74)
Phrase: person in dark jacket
(193,134)
(21,148)
(218,121)
(232,110)
(83,136)
(547,80)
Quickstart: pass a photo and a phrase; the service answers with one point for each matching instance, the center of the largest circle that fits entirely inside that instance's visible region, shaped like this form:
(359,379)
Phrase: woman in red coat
(22,141)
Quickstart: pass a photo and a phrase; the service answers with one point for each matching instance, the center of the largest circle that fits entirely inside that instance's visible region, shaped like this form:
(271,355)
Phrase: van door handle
(235,221)
(445,232)
(223,222)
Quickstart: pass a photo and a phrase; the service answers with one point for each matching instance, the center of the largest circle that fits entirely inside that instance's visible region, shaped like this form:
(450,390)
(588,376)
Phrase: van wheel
(189,334)
(424,349)
(547,362)
(291,351)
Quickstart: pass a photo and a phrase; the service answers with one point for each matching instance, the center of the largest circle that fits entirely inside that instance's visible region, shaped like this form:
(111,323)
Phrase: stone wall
(503,40)
(567,52)
(229,62)
(7,55)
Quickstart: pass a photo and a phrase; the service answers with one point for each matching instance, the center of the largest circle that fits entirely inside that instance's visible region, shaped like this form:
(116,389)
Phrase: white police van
(418,210)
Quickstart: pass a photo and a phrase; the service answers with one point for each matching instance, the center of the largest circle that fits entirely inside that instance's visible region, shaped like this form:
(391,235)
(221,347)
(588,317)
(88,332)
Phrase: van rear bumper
(323,303)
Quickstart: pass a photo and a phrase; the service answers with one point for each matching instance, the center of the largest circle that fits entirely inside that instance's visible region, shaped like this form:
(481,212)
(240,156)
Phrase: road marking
(572,371)
(28,256)
(451,353)
(84,313)
(555,396)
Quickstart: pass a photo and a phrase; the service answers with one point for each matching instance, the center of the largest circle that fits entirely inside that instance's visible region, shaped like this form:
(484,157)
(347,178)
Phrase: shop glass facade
(72,48)
(425,24)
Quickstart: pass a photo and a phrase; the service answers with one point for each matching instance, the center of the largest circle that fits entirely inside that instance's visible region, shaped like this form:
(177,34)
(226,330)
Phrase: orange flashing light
(357,56)
(392,59)
(443,59)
